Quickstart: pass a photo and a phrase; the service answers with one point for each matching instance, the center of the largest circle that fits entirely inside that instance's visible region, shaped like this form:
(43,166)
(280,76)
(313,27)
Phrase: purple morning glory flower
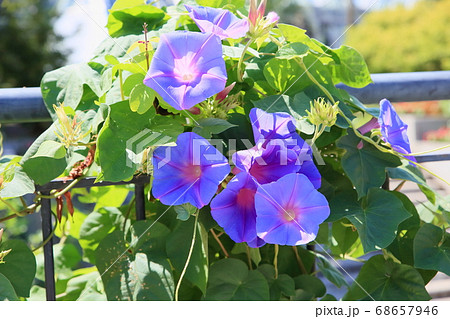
(189,172)
(187,68)
(393,129)
(280,127)
(289,211)
(234,208)
(267,164)
(221,22)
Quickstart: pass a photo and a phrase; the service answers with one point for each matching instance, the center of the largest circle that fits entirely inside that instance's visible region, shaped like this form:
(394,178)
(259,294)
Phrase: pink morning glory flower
(289,211)
(234,208)
(187,68)
(221,22)
(189,172)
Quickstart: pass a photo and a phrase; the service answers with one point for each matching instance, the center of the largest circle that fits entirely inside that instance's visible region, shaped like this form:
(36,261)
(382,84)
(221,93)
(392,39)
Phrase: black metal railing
(20,105)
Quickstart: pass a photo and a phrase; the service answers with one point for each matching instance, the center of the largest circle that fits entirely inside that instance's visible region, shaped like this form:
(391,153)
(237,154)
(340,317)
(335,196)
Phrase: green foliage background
(405,39)
(28,44)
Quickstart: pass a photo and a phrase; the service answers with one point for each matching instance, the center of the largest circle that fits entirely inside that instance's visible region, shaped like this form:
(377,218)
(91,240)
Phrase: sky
(82,23)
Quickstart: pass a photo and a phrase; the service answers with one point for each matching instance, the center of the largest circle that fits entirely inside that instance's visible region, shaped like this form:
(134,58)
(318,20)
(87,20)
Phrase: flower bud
(272,18)
(323,113)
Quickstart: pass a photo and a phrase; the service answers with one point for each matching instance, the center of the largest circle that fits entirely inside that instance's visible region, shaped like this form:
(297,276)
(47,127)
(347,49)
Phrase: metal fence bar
(404,87)
(20,105)
(139,193)
(49,264)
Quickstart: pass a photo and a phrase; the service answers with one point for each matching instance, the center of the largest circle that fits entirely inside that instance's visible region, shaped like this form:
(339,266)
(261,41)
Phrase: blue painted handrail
(20,105)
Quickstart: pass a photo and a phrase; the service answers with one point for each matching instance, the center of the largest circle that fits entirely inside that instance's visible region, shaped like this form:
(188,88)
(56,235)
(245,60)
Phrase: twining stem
(240,74)
(225,252)
(146,44)
(249,259)
(313,79)
(17,213)
(427,170)
(429,151)
(191,249)
(299,261)
(275,260)
(62,192)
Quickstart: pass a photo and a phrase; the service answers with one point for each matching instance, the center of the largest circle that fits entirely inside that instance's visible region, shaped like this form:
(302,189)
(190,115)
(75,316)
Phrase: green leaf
(97,226)
(68,85)
(366,167)
(308,287)
(141,99)
(129,276)
(286,76)
(85,287)
(221,3)
(385,280)
(283,285)
(127,17)
(124,137)
(296,107)
(295,34)
(351,69)
(51,149)
(209,126)
(432,249)
(19,266)
(44,169)
(148,235)
(116,47)
(376,218)
(7,292)
(292,51)
(177,247)
(184,211)
(345,236)
(410,173)
(330,272)
(242,248)
(230,279)
(18,183)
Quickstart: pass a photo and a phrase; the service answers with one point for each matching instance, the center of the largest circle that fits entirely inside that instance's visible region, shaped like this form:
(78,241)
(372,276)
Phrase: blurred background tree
(28,43)
(405,39)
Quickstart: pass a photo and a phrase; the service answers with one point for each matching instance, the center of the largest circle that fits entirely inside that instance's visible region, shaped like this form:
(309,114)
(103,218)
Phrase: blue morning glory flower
(234,208)
(189,172)
(267,164)
(279,129)
(393,129)
(289,211)
(221,22)
(187,68)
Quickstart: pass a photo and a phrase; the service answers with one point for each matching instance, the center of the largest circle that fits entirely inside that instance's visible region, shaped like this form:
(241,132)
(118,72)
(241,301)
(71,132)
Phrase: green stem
(9,206)
(216,237)
(299,261)
(122,95)
(249,259)
(240,74)
(426,169)
(313,79)
(65,190)
(430,151)
(275,260)
(191,249)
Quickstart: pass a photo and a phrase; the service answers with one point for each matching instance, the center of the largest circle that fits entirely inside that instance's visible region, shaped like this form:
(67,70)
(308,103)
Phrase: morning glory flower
(189,172)
(289,211)
(267,164)
(393,129)
(187,68)
(234,208)
(221,22)
(280,127)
